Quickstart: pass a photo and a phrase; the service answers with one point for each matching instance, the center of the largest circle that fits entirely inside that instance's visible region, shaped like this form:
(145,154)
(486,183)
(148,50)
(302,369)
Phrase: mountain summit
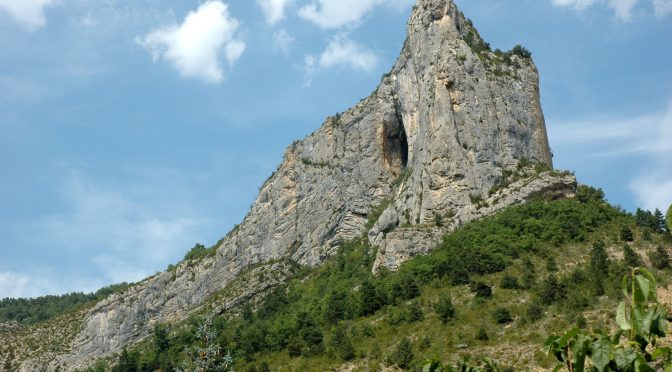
(454,132)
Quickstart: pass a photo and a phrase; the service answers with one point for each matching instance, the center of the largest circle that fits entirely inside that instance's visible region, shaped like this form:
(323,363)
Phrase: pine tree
(660,259)
(368,301)
(630,257)
(208,355)
(161,341)
(661,225)
(334,307)
(341,344)
(403,354)
(444,308)
(626,234)
(599,266)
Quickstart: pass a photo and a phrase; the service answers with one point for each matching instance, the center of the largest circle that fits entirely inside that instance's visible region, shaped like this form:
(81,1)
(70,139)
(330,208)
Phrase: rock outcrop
(430,143)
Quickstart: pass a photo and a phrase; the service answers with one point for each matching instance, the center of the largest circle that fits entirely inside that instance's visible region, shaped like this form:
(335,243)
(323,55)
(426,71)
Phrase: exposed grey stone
(439,130)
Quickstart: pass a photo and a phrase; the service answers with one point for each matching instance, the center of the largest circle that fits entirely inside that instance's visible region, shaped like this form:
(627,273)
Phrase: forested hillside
(491,292)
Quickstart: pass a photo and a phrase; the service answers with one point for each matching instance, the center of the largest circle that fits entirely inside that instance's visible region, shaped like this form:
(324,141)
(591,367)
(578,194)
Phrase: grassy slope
(286,329)
(295,320)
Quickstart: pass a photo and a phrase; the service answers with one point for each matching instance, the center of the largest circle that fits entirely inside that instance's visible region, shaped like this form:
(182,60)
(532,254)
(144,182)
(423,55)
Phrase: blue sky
(132,129)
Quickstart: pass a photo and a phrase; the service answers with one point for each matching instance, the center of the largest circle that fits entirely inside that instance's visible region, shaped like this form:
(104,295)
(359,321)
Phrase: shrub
(535,311)
(641,321)
(341,344)
(587,194)
(529,273)
(502,315)
(551,290)
(660,259)
(197,252)
(626,234)
(630,257)
(403,354)
(520,51)
(444,308)
(481,289)
(509,282)
(482,334)
(425,343)
(599,266)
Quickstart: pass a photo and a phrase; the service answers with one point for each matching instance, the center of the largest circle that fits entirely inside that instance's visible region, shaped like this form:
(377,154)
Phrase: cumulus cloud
(343,51)
(339,13)
(283,41)
(29,13)
(274,10)
(195,47)
(623,9)
(662,8)
(612,140)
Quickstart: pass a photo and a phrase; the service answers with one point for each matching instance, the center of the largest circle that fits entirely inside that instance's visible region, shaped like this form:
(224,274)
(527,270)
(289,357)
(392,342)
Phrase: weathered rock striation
(430,143)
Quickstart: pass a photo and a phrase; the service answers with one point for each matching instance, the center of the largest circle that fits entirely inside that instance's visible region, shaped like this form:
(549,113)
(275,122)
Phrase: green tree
(509,282)
(341,344)
(444,308)
(403,354)
(520,51)
(626,234)
(502,315)
(529,273)
(669,218)
(263,367)
(630,257)
(587,194)
(161,339)
(660,259)
(661,225)
(334,307)
(480,289)
(599,266)
(551,290)
(127,362)
(640,319)
(207,355)
(368,301)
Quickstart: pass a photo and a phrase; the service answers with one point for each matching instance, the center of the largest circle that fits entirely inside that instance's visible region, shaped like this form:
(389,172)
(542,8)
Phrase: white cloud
(30,13)
(282,41)
(343,51)
(339,13)
(623,9)
(647,138)
(118,234)
(653,186)
(14,285)
(274,10)
(309,70)
(195,47)
(662,8)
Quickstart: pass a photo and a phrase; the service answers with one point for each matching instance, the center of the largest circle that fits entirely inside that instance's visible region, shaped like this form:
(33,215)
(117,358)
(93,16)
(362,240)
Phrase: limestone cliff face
(432,139)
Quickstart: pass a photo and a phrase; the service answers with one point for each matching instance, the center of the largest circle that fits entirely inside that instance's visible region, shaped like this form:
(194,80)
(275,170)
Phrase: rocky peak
(428,150)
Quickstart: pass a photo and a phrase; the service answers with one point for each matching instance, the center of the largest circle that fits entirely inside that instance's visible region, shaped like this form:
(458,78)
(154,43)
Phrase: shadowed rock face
(435,135)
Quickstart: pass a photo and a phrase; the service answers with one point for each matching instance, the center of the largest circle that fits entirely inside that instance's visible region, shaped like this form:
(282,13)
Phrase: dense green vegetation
(33,310)
(641,321)
(341,312)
